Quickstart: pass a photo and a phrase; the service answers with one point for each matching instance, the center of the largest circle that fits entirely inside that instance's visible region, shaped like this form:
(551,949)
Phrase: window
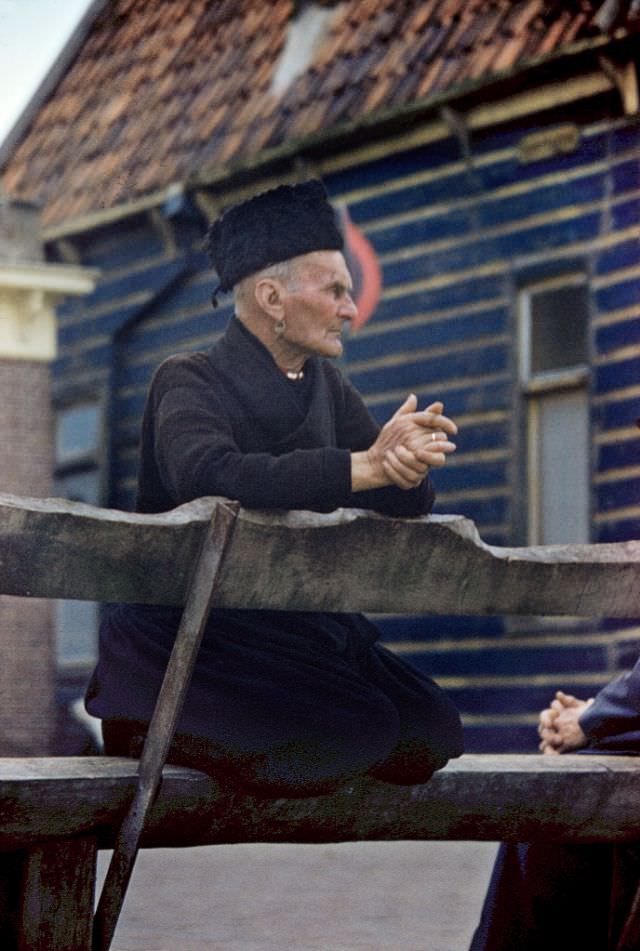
(77,477)
(554,373)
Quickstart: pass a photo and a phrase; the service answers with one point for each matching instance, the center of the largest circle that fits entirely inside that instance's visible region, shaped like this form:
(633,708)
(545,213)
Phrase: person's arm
(608,721)
(613,719)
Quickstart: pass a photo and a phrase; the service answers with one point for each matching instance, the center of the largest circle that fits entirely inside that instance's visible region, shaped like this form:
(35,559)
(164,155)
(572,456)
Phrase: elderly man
(280,702)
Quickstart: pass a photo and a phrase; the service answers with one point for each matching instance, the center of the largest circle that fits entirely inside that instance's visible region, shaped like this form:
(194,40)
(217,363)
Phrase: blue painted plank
(415,373)
(626,214)
(431,263)
(479,475)
(618,494)
(489,511)
(108,323)
(119,245)
(138,374)
(620,530)
(148,278)
(438,333)
(481,436)
(470,290)
(395,201)
(457,222)
(492,248)
(620,256)
(618,455)
(180,335)
(478,398)
(618,335)
(510,738)
(615,376)
(185,295)
(503,661)
(557,234)
(540,199)
(626,176)
(506,699)
(439,627)
(508,172)
(618,296)
(384,170)
(619,413)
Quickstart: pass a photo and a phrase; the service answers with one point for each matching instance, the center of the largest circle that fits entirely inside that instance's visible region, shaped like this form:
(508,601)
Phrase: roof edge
(430,106)
(412,110)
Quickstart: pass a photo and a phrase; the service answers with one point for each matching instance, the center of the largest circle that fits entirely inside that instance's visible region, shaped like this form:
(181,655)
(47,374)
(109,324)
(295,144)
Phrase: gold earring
(280,328)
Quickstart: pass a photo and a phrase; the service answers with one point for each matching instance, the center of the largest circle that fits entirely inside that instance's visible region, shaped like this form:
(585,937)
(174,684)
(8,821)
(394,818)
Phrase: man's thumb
(409,406)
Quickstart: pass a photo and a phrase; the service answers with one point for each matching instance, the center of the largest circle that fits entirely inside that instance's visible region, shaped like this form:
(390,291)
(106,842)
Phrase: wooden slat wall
(456,237)
(455,240)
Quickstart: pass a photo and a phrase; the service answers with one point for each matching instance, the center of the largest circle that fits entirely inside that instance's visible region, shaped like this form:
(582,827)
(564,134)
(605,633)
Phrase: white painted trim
(52,278)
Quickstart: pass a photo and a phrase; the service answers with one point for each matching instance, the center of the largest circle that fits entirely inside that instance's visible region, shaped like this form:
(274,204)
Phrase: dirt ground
(363,896)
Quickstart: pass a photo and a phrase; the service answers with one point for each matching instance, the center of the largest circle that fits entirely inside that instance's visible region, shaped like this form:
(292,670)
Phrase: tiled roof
(164,89)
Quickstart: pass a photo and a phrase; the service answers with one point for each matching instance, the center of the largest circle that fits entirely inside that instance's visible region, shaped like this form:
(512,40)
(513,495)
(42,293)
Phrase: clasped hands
(559,727)
(410,443)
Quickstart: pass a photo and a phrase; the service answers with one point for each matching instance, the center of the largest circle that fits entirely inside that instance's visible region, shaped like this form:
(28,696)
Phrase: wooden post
(55,891)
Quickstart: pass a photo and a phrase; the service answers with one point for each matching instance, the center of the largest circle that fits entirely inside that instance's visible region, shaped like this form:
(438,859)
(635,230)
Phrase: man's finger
(410,405)
(410,459)
(400,475)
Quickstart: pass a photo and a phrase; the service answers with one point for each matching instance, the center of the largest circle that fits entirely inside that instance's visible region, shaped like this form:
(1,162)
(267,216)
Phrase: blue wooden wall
(456,238)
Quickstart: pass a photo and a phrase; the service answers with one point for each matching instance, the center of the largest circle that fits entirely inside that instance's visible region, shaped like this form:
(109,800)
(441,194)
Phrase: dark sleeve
(357,430)
(612,721)
(196,454)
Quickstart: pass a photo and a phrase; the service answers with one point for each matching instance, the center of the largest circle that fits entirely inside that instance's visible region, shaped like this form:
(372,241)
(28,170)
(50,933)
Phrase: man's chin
(334,348)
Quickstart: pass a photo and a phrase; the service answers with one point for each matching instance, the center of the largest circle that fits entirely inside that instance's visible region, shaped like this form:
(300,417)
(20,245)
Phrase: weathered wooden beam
(579,798)
(346,560)
(55,911)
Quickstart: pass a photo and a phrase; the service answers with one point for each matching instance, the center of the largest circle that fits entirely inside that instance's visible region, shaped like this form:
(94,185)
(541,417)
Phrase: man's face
(317,302)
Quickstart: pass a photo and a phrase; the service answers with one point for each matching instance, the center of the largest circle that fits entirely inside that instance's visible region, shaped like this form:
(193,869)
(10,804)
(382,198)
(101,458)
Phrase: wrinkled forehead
(323,267)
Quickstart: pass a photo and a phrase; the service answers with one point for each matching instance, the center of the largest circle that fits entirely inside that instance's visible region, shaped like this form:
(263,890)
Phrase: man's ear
(269,295)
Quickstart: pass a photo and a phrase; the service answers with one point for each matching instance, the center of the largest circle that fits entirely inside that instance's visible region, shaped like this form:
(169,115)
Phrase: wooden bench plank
(349,560)
(574,798)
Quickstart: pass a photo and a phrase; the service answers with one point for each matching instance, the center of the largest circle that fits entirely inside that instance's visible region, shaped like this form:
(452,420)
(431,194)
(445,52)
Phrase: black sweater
(227,422)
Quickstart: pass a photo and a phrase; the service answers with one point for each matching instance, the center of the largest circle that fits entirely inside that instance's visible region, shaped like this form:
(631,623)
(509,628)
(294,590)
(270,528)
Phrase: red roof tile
(162,90)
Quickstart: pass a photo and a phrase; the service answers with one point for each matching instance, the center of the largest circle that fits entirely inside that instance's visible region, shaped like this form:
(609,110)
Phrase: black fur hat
(271,227)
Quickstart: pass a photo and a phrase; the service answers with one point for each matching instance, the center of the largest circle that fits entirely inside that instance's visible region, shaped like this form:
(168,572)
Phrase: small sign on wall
(559,140)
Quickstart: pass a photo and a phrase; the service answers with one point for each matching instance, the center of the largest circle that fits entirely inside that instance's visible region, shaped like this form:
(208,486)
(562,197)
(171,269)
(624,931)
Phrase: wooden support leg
(55,910)
(204,581)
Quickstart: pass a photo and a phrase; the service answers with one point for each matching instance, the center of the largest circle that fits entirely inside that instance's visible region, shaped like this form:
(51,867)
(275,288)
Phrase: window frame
(533,385)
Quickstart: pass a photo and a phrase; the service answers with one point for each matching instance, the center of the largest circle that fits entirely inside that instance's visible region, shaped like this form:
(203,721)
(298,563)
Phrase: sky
(32,33)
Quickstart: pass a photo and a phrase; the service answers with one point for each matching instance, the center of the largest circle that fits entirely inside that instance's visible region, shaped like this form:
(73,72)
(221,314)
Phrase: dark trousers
(548,897)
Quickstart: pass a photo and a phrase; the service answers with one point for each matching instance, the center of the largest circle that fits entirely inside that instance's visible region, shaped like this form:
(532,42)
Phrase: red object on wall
(365,270)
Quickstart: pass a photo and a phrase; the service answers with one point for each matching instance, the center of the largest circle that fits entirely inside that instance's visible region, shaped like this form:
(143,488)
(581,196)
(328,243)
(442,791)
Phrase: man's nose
(349,309)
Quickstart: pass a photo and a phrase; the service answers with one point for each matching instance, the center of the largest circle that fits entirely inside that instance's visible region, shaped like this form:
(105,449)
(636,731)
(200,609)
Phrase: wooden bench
(56,812)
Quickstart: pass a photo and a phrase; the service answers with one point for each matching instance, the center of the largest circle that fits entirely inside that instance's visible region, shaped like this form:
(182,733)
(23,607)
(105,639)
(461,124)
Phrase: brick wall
(26,626)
